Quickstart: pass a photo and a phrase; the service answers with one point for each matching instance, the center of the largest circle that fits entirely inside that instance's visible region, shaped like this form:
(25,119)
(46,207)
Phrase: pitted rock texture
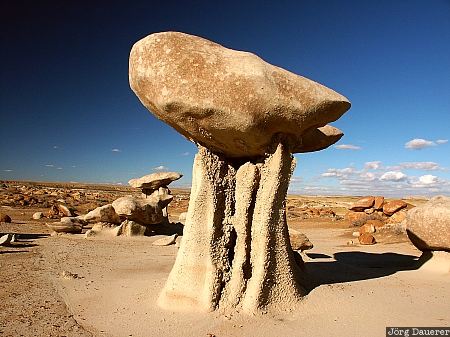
(428,225)
(236,253)
(229,101)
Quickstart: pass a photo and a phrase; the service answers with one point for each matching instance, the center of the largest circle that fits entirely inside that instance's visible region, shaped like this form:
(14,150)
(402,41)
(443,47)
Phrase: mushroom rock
(155,180)
(231,102)
(247,118)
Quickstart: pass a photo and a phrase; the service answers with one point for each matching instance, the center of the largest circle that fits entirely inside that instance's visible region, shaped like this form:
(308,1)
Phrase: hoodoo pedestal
(236,252)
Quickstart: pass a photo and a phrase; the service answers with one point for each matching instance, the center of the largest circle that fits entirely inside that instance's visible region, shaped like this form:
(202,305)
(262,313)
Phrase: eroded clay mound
(230,101)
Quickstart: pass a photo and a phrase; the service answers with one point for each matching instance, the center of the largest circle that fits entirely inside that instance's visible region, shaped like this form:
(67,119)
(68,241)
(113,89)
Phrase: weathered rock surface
(166,241)
(393,206)
(182,217)
(144,211)
(103,229)
(367,228)
(230,101)
(428,225)
(155,180)
(361,204)
(398,216)
(104,213)
(378,204)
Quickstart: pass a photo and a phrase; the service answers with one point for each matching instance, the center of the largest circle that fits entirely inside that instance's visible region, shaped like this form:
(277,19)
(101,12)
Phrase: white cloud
(442,141)
(74,166)
(347,147)
(56,147)
(369,176)
(7,170)
(185,154)
(160,168)
(50,165)
(339,173)
(393,176)
(418,144)
(372,165)
(428,179)
(421,165)
(59,168)
(116,150)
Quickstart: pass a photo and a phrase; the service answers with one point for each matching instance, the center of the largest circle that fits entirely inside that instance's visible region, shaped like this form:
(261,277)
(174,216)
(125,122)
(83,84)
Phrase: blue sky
(68,114)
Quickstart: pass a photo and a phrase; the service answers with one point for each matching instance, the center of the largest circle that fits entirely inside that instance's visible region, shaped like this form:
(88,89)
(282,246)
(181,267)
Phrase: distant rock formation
(247,118)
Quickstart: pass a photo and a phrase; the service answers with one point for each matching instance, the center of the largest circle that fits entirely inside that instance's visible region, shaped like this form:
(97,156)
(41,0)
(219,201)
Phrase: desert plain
(72,285)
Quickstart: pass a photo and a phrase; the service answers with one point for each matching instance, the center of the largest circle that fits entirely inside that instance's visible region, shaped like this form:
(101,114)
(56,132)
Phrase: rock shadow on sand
(357,266)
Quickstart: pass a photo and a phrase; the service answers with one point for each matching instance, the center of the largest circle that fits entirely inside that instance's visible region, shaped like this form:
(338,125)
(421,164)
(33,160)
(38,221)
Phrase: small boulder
(393,206)
(367,239)
(166,241)
(356,217)
(378,203)
(362,204)
(5,218)
(131,228)
(299,241)
(38,215)
(398,217)
(367,228)
(428,225)
(375,223)
(104,213)
(6,239)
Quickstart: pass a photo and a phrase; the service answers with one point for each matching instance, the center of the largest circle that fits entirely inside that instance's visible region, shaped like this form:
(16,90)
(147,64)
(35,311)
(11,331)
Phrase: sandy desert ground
(69,285)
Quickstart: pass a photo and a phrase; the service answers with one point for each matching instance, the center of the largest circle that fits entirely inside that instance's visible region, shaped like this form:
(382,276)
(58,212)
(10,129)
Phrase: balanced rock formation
(428,225)
(247,118)
(143,211)
(154,181)
(229,101)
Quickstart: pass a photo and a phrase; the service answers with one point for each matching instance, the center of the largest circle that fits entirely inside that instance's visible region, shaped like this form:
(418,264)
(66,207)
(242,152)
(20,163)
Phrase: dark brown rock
(393,206)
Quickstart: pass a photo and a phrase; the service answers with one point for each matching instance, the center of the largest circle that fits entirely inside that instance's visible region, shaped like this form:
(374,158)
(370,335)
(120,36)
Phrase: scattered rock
(356,218)
(5,218)
(428,225)
(366,239)
(393,206)
(367,228)
(361,204)
(250,102)
(350,243)
(299,241)
(104,213)
(38,215)
(375,223)
(68,275)
(131,228)
(67,225)
(356,234)
(378,203)
(166,241)
(103,229)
